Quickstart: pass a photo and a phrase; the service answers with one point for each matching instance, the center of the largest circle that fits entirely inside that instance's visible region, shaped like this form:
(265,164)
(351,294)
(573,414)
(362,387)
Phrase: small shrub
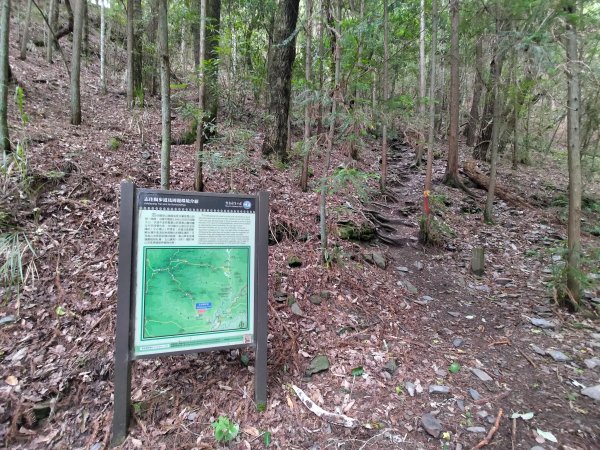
(225,429)
(114,143)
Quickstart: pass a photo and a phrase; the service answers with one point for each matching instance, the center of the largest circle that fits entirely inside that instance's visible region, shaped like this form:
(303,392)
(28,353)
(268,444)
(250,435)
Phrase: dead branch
(338,419)
(491,433)
(481,180)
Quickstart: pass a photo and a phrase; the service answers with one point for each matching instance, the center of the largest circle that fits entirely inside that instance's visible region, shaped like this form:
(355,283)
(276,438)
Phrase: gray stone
(427,298)
(458,447)
(391,366)
(474,394)
(592,392)
(595,300)
(318,364)
(441,373)
(537,447)
(146,156)
(402,269)
(379,260)
(503,281)
(410,388)
(437,389)
(419,265)
(458,342)
(410,287)
(538,350)
(296,309)
(460,403)
(7,319)
(431,425)
(315,299)
(592,363)
(480,374)
(482,414)
(453,313)
(542,323)
(476,430)
(558,356)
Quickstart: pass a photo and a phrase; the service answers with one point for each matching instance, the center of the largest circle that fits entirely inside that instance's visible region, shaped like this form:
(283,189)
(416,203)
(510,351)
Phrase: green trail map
(194,290)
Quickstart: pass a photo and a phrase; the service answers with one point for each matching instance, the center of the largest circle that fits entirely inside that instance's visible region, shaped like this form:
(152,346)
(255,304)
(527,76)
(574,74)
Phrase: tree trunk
(153,58)
(135,89)
(86,30)
(386,94)
(25,37)
(574,155)
(280,77)
(213,25)
(430,138)
(165,93)
(321,51)
(324,181)
(471,128)
(76,63)
(52,20)
(488,213)
(4,75)
(422,73)
(68,27)
(102,49)
(198,176)
(451,176)
(307,106)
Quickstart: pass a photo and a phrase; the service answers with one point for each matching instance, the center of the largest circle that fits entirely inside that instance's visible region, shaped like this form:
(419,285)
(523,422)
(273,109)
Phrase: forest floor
(404,324)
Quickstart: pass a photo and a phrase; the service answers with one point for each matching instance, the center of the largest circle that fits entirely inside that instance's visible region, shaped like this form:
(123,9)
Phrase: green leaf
(60,311)
(454,367)
(266,438)
(244,359)
(357,371)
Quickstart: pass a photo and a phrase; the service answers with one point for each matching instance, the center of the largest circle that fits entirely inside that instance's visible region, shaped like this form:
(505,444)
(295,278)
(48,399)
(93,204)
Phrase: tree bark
(134,54)
(165,93)
(307,107)
(198,174)
(431,136)
(76,63)
(422,72)
(280,77)
(68,27)
(4,75)
(102,49)
(451,177)
(386,94)
(574,154)
(213,26)
(330,135)
(52,19)
(471,128)
(25,37)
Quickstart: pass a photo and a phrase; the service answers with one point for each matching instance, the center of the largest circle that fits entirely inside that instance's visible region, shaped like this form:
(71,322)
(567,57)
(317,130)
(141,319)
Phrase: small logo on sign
(247,204)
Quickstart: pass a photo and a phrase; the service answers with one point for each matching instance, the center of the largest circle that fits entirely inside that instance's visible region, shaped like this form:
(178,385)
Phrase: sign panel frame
(133,203)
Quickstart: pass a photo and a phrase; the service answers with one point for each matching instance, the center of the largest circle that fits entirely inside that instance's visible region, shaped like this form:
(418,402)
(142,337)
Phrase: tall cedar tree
(76,63)
(281,59)
(574,155)
(4,78)
(165,93)
(211,71)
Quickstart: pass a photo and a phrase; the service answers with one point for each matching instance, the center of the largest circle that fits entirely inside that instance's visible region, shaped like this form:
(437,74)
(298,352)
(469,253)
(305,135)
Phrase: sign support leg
(261,299)
(122,377)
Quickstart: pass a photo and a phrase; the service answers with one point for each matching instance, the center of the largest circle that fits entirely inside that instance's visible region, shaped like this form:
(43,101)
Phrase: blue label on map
(207,305)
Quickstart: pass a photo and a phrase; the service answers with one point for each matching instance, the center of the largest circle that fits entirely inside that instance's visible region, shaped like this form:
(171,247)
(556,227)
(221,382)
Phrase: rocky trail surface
(401,339)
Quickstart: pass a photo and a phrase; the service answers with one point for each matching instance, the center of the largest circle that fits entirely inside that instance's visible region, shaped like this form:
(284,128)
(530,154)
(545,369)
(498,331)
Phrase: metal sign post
(193,277)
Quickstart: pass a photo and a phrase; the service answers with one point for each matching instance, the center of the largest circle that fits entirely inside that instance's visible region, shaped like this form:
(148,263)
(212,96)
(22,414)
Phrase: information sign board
(192,277)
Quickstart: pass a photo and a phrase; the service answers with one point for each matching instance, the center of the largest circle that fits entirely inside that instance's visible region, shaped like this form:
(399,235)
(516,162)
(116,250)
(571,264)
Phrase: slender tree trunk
(165,93)
(213,26)
(488,213)
(67,28)
(76,63)
(386,88)
(86,30)
(574,154)
(308,105)
(515,116)
(471,129)
(198,176)
(130,47)
(134,54)
(431,136)
(153,58)
(280,77)
(321,51)
(25,37)
(102,49)
(330,136)
(52,19)
(451,177)
(4,75)
(422,72)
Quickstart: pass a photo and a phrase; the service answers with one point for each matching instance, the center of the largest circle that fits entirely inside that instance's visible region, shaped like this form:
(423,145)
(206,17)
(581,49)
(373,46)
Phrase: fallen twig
(527,358)
(504,341)
(491,433)
(493,399)
(338,419)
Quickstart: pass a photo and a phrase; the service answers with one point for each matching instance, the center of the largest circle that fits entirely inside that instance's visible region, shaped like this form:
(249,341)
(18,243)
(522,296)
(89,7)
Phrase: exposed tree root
(491,433)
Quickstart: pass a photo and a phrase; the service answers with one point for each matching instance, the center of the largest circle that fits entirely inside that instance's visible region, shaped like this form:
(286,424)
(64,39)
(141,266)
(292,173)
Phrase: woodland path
(485,323)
